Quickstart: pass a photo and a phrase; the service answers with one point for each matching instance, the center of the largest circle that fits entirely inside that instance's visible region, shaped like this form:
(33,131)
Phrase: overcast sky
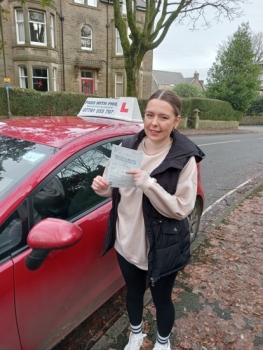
(186,51)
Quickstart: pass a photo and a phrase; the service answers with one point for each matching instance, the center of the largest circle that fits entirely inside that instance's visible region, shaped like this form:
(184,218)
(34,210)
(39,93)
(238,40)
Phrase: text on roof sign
(123,108)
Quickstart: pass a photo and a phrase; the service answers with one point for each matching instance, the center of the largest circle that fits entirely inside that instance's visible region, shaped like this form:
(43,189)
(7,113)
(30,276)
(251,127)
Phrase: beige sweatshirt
(131,240)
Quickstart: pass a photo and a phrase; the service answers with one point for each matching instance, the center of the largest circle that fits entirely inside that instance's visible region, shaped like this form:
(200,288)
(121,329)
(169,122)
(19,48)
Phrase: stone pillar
(196,118)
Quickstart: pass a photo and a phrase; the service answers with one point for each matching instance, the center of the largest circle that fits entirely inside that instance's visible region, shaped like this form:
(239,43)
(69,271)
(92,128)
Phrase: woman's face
(159,120)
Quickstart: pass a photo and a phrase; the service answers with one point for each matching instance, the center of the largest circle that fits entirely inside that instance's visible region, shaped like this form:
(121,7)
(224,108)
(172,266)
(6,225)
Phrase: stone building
(69,45)
(195,81)
(168,80)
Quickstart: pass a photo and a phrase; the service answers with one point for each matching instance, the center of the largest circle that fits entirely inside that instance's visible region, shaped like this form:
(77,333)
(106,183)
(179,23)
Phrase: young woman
(148,223)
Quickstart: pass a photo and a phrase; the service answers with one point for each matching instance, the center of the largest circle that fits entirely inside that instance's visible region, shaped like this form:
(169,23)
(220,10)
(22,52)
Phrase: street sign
(7,80)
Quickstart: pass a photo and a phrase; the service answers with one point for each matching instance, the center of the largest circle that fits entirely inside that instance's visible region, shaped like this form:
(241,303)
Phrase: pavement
(218,298)
(202,132)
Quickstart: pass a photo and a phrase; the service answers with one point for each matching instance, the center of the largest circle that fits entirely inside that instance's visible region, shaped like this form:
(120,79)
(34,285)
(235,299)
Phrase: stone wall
(211,124)
(254,120)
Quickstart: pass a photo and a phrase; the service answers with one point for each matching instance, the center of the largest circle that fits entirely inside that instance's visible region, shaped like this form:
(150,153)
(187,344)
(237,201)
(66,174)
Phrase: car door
(9,339)
(70,284)
(11,239)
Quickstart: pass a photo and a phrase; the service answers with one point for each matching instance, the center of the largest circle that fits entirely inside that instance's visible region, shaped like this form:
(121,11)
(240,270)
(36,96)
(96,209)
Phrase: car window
(18,160)
(69,194)
(13,231)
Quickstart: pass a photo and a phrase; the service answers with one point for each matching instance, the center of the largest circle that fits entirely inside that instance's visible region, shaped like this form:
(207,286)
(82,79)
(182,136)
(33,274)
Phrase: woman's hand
(99,183)
(137,173)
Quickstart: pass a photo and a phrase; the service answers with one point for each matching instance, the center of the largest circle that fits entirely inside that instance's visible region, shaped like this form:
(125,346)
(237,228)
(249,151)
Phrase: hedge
(215,109)
(256,107)
(25,102)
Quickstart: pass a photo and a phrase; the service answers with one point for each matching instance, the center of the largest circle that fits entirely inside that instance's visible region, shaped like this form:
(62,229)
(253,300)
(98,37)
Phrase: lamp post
(107,51)
(9,115)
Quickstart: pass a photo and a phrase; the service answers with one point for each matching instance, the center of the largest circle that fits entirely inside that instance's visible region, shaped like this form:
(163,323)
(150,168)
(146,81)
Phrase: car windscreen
(18,160)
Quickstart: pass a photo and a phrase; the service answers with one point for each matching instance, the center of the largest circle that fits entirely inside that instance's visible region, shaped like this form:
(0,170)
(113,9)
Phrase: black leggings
(135,280)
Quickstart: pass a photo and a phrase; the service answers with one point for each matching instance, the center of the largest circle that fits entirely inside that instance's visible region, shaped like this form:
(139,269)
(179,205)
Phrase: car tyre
(194,219)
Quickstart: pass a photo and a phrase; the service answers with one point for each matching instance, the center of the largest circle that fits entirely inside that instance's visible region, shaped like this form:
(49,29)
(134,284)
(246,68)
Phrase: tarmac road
(231,160)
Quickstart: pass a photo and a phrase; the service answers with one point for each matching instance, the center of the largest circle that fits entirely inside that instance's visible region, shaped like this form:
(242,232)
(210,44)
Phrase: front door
(87,86)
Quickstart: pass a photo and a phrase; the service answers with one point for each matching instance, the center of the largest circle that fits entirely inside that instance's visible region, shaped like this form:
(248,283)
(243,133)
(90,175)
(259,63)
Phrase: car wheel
(194,219)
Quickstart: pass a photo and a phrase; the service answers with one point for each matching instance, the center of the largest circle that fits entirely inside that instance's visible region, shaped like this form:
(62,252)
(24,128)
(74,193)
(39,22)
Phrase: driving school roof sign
(123,108)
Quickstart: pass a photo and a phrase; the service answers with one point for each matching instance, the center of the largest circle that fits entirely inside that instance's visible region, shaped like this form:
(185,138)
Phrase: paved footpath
(219,296)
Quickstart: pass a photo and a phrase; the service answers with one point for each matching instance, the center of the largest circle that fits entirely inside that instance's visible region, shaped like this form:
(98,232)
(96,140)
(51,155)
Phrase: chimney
(196,76)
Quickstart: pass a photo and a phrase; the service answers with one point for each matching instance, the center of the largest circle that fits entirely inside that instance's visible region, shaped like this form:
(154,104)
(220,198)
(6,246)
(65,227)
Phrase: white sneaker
(159,346)
(135,342)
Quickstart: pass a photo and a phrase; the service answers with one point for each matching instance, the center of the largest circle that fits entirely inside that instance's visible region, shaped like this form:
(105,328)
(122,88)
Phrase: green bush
(188,91)
(211,109)
(26,102)
(256,107)
(186,107)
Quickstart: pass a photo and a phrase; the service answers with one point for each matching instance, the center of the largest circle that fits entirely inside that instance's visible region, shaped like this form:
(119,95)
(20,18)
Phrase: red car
(52,224)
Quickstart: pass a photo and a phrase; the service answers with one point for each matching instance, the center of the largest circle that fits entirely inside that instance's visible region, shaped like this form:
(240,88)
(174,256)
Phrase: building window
(37,26)
(118,85)
(87,2)
(52,31)
(119,50)
(54,73)
(23,77)
(92,3)
(86,37)
(40,79)
(20,26)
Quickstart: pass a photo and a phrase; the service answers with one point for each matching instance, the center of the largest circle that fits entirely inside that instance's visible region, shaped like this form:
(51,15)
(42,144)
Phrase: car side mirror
(47,235)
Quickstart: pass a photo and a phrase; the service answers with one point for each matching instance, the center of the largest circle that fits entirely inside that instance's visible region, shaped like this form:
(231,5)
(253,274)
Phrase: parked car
(52,224)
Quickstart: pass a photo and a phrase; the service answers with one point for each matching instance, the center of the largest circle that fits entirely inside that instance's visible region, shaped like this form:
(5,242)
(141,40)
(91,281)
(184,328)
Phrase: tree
(233,77)
(159,16)
(257,46)
(187,90)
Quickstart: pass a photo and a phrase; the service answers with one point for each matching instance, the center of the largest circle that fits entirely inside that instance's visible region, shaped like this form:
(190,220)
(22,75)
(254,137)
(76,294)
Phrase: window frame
(91,3)
(46,78)
(54,78)
(86,38)
(45,28)
(21,21)
(118,46)
(23,77)
(52,30)
(119,82)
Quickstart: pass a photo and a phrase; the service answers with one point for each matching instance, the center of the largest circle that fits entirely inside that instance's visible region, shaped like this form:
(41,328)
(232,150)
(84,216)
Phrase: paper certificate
(123,159)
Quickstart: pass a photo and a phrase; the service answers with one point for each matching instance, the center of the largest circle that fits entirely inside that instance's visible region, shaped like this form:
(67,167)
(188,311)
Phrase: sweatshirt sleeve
(108,191)
(179,205)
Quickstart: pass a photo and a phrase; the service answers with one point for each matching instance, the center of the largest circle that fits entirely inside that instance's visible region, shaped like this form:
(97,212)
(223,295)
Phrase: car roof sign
(123,108)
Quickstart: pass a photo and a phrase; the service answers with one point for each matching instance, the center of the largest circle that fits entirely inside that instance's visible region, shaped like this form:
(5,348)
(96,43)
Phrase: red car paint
(39,307)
